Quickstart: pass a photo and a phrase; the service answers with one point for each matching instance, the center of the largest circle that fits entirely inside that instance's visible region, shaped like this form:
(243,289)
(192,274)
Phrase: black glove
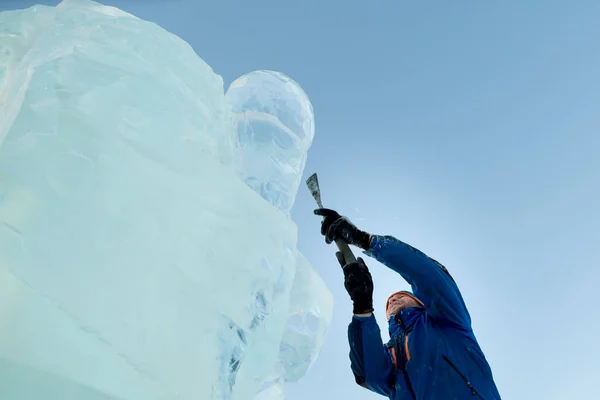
(358,283)
(334,227)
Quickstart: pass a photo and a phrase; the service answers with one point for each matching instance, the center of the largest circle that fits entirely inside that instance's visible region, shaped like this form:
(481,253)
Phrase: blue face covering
(403,320)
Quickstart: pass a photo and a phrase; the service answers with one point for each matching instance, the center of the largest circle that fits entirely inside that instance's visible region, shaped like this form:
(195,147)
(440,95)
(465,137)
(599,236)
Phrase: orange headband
(404,292)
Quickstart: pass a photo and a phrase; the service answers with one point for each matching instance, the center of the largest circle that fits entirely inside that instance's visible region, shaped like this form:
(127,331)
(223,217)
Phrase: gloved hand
(334,227)
(358,283)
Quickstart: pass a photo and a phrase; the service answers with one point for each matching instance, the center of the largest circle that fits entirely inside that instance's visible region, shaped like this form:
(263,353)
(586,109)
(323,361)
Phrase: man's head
(399,301)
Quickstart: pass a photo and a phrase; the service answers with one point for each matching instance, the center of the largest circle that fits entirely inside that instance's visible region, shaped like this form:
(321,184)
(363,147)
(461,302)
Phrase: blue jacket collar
(404,320)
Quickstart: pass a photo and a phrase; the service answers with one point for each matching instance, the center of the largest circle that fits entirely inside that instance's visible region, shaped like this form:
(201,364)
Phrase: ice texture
(275,126)
(138,260)
(309,315)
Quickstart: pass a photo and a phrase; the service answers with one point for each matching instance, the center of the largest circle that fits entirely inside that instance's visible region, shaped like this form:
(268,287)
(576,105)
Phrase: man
(432,353)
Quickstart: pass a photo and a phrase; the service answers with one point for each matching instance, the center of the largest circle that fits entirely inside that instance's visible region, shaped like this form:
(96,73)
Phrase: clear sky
(469,129)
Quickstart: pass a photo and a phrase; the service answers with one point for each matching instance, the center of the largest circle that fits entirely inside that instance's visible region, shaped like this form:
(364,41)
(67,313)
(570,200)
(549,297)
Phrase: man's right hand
(358,283)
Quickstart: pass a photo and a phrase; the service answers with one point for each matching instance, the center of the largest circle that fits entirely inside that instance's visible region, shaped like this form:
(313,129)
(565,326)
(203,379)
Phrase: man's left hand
(335,226)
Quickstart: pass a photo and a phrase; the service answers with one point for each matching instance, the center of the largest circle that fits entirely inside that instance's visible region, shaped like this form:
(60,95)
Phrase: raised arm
(370,360)
(430,281)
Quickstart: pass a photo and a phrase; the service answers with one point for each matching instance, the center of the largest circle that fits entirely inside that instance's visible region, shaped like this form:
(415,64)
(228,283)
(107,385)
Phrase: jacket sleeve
(370,360)
(430,281)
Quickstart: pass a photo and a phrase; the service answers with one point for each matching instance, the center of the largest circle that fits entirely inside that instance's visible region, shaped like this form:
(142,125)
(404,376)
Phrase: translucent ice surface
(309,315)
(275,128)
(138,260)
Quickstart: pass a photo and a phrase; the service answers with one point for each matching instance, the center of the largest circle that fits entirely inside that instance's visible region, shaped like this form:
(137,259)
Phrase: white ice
(146,248)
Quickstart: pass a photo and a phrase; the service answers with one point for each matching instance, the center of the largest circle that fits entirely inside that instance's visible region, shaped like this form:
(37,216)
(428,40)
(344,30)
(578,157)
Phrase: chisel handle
(345,249)
(313,185)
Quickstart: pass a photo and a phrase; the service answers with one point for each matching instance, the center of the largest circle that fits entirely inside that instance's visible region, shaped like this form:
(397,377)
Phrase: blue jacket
(432,353)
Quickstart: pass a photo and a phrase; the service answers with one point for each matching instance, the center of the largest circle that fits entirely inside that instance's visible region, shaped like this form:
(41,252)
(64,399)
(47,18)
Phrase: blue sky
(470,130)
